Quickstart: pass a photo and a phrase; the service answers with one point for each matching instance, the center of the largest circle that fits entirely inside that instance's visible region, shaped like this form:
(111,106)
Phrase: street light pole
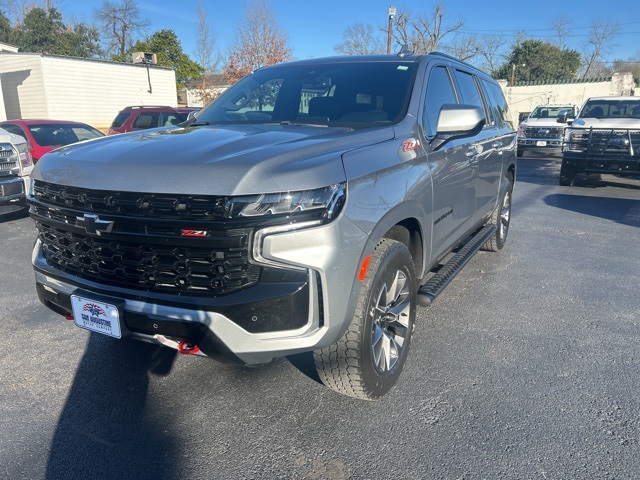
(392,13)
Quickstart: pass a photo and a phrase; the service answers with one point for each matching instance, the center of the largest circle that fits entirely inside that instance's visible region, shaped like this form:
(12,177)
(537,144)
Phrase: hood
(633,123)
(220,160)
(542,122)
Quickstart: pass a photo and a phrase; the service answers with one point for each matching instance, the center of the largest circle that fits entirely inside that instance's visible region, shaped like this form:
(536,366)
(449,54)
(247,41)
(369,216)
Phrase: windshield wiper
(288,123)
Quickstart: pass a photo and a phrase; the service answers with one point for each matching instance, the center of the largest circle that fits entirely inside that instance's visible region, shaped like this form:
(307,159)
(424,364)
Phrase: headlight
(25,154)
(319,204)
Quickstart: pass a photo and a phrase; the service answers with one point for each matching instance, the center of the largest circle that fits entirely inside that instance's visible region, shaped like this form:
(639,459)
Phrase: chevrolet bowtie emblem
(92,224)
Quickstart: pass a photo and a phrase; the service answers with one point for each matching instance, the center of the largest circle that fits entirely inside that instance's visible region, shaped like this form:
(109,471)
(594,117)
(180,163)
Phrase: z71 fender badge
(411,144)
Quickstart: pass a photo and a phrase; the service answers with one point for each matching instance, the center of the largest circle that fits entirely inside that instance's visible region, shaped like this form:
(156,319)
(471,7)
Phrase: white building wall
(526,98)
(23,86)
(94,92)
(90,91)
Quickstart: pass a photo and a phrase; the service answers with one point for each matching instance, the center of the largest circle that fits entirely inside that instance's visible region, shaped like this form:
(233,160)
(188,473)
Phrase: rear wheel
(567,174)
(367,361)
(501,217)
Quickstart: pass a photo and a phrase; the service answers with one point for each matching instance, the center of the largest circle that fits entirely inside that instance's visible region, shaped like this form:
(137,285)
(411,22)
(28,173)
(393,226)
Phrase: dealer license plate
(541,143)
(96,316)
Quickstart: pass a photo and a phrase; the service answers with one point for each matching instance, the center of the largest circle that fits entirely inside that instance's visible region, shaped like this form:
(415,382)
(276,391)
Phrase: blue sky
(314,28)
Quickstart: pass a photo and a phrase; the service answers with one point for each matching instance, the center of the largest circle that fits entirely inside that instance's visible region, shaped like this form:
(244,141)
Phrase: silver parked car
(312,207)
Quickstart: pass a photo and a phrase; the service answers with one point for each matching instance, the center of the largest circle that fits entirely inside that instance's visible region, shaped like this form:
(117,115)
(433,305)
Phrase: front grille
(158,268)
(146,248)
(618,143)
(625,142)
(543,132)
(132,204)
(7,167)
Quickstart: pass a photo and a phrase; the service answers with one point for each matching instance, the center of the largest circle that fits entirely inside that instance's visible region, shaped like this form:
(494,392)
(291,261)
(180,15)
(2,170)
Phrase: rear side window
(146,120)
(497,102)
(471,93)
(120,119)
(439,91)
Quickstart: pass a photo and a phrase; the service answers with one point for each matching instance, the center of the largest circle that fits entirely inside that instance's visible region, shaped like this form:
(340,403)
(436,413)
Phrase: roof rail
(148,106)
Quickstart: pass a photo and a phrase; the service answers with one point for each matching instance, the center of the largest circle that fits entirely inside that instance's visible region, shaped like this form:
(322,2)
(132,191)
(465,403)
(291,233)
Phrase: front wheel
(367,361)
(567,174)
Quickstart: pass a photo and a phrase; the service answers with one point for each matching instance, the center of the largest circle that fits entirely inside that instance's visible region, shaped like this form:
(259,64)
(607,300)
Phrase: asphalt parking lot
(526,367)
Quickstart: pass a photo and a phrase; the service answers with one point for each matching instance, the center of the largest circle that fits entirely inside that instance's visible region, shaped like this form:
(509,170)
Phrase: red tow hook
(188,349)
(68,316)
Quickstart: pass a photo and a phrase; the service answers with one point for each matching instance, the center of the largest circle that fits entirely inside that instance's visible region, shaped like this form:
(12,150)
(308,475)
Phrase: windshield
(551,111)
(355,95)
(57,135)
(611,109)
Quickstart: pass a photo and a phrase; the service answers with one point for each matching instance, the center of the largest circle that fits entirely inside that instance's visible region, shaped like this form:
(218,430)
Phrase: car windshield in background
(62,134)
(611,109)
(550,111)
(356,95)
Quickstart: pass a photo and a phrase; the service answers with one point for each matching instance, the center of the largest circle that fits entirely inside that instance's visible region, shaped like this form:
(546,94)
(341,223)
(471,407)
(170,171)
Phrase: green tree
(166,46)
(44,31)
(39,30)
(7,33)
(534,60)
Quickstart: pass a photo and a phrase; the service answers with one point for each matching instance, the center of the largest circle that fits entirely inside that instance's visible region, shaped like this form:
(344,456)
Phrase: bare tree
(207,56)
(561,26)
(121,23)
(493,52)
(361,39)
(424,33)
(18,9)
(259,41)
(599,39)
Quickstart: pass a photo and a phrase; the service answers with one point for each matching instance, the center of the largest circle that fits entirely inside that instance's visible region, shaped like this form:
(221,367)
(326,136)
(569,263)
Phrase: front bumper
(525,143)
(309,307)
(624,165)
(12,195)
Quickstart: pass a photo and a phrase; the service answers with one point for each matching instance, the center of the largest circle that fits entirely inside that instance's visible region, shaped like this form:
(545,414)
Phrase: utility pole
(392,13)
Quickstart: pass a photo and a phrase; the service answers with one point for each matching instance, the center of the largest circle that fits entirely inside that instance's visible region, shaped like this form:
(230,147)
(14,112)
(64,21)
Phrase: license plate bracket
(98,314)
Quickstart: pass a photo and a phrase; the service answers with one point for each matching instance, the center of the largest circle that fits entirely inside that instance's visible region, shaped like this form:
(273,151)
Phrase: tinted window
(55,135)
(611,109)
(15,129)
(498,103)
(146,120)
(439,92)
(120,119)
(470,92)
(356,95)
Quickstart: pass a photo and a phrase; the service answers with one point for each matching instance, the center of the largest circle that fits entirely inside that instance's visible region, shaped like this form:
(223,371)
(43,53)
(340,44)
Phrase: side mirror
(457,121)
(565,117)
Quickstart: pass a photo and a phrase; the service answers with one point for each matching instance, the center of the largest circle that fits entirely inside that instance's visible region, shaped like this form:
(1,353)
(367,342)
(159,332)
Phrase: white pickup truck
(541,131)
(15,166)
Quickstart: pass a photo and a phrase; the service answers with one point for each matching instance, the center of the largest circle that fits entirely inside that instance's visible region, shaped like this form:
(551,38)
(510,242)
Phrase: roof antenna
(404,51)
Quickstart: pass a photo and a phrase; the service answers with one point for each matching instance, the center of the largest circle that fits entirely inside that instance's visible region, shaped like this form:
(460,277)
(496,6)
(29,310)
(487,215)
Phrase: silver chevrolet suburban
(310,208)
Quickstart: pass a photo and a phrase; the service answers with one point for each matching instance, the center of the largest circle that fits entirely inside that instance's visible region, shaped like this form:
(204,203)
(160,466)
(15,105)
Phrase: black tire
(519,153)
(367,361)
(567,174)
(501,217)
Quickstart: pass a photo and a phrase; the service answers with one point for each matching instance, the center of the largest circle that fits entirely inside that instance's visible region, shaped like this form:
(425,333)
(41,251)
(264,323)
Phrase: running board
(436,284)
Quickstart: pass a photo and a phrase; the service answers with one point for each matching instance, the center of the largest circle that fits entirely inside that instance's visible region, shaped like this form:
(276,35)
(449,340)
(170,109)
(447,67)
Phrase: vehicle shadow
(105,430)
(621,210)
